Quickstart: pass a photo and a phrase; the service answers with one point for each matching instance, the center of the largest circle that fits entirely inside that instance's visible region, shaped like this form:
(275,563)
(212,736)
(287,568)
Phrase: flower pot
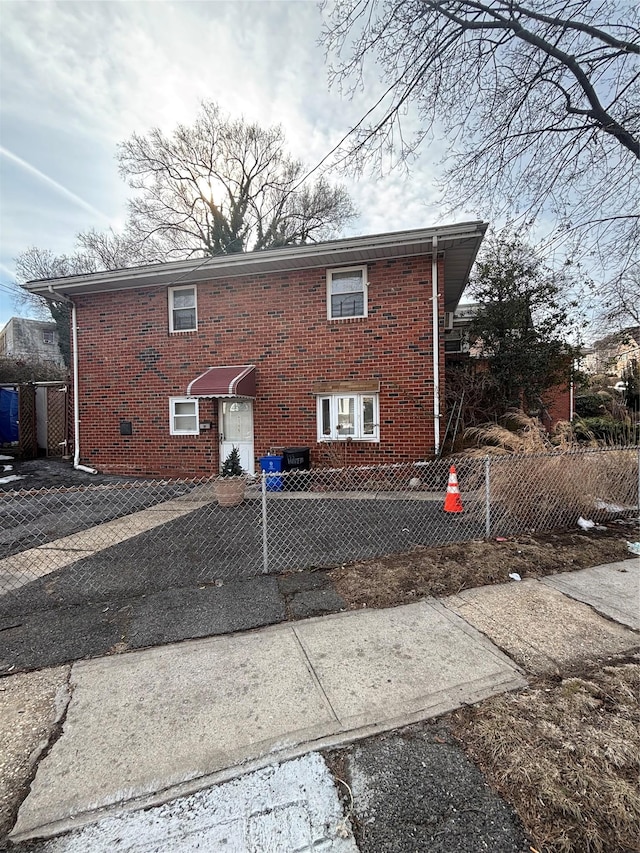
(229,491)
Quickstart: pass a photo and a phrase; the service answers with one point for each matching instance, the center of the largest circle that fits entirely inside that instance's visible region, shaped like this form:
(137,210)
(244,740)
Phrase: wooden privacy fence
(43,419)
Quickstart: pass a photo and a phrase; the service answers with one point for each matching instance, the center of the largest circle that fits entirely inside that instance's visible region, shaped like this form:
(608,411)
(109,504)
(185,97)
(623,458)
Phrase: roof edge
(248,263)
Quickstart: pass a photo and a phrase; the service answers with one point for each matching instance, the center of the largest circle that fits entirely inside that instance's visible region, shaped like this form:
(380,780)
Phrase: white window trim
(170,293)
(172,415)
(365,292)
(358,397)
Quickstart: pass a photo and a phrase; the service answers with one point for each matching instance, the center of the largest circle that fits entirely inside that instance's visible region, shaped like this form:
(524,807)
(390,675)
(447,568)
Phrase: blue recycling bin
(273,466)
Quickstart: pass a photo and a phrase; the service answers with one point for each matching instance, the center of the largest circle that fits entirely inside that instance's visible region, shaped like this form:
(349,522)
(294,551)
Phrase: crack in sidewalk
(62,701)
(314,675)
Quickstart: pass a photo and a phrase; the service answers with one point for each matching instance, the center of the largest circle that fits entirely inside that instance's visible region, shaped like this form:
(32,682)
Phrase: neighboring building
(307,346)
(30,340)
(557,401)
(612,354)
(456,325)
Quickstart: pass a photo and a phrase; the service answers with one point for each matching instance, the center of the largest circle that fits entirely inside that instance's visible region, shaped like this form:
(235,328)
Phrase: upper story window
(183,315)
(348,416)
(347,293)
(183,416)
(48,336)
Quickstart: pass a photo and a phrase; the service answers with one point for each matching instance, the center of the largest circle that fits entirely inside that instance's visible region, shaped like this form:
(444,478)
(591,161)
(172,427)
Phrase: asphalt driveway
(220,544)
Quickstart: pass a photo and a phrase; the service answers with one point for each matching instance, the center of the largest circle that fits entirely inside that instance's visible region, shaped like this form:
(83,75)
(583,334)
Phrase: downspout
(571,391)
(436,348)
(76,385)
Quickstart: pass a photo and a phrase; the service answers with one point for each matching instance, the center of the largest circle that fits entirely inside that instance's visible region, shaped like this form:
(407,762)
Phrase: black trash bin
(297,460)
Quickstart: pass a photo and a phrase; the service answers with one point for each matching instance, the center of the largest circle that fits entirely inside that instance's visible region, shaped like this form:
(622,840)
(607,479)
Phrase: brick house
(328,346)
(556,402)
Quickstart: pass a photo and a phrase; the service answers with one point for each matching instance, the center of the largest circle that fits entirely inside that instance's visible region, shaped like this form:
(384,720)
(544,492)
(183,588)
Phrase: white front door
(235,418)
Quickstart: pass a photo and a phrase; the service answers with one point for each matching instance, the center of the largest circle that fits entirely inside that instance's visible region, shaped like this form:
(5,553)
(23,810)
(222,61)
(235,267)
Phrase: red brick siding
(129,366)
(557,402)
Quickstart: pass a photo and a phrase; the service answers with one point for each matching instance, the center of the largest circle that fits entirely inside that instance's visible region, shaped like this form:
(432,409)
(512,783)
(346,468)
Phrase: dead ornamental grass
(567,756)
(542,482)
(547,491)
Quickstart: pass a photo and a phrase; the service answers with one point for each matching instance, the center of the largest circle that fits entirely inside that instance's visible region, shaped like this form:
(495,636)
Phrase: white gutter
(352,250)
(436,347)
(76,385)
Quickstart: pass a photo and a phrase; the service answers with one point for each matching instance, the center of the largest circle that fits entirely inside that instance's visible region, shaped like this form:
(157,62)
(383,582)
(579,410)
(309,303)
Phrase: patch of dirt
(566,754)
(448,569)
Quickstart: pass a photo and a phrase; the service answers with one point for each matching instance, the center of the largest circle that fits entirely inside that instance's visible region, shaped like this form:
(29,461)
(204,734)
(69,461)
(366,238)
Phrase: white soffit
(457,243)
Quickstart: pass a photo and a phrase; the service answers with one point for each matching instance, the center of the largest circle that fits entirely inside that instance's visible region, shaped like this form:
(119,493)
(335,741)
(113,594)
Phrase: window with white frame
(348,416)
(347,293)
(183,315)
(48,336)
(183,416)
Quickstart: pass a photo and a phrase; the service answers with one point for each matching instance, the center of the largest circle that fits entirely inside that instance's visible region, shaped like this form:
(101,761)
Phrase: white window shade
(346,293)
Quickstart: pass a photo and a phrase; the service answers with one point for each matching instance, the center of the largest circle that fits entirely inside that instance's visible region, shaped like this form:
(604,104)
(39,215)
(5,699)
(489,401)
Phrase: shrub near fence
(94,543)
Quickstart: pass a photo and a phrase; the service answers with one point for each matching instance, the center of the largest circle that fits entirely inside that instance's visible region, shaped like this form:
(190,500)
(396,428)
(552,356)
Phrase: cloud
(80,76)
(50,182)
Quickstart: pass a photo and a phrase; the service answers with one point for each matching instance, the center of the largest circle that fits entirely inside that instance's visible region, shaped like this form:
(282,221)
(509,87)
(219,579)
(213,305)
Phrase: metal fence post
(265,535)
(487,497)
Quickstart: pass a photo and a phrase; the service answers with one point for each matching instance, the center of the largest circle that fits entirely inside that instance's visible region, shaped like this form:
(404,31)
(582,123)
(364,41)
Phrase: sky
(76,78)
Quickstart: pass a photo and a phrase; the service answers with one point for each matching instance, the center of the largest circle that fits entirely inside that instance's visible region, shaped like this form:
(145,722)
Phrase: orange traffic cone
(453,501)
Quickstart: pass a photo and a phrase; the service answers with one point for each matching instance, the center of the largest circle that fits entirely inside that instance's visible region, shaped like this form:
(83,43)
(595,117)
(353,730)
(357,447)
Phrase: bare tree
(619,300)
(221,186)
(34,264)
(217,187)
(110,250)
(539,102)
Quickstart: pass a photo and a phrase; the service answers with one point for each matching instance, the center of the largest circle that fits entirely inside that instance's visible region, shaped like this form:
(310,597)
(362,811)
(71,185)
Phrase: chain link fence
(66,546)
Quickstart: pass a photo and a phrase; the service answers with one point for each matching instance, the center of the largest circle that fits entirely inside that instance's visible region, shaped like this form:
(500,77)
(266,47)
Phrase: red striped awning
(237,381)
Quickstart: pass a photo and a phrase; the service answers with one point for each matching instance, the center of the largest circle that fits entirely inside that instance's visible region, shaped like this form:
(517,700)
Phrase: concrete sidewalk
(167,721)
(144,727)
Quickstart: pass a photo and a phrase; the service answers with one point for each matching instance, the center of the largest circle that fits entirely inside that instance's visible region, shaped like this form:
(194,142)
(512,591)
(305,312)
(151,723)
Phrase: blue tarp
(8,416)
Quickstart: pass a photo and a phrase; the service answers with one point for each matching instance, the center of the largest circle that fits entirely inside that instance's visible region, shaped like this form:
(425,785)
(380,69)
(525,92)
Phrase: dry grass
(543,486)
(567,756)
(515,433)
(447,569)
(543,492)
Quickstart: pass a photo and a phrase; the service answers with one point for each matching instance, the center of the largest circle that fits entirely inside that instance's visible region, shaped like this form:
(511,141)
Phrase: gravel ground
(219,543)
(51,500)
(48,473)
